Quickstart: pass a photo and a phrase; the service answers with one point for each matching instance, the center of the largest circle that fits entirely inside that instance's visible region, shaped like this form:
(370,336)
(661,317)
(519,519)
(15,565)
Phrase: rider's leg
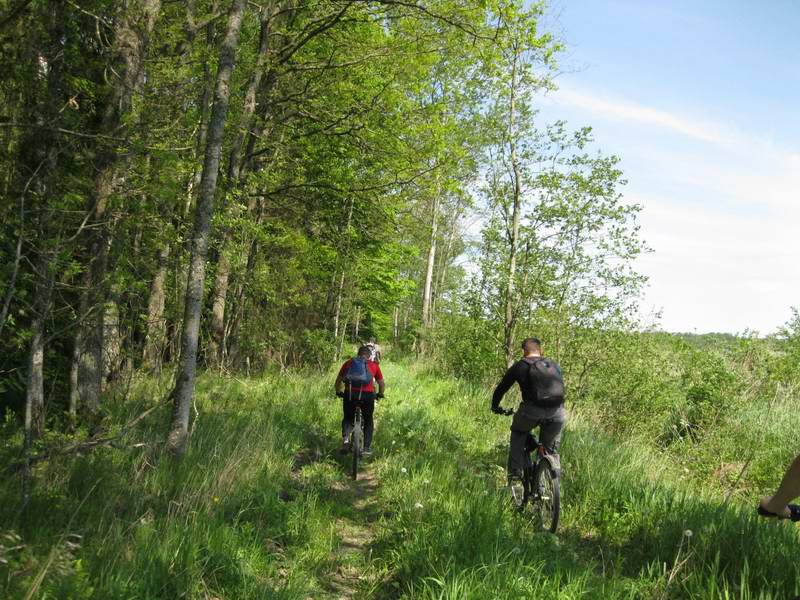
(788,490)
(348,418)
(516,453)
(368,410)
(550,432)
(521,426)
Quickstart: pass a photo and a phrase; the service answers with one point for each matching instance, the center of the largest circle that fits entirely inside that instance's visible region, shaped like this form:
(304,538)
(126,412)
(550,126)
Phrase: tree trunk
(34,385)
(90,365)
(34,405)
(216,345)
(508,337)
(444,258)
(232,328)
(356,324)
(337,315)
(135,23)
(156,324)
(236,165)
(112,342)
(330,300)
(426,295)
(208,91)
(184,381)
(34,390)
(44,269)
(237,168)
(77,351)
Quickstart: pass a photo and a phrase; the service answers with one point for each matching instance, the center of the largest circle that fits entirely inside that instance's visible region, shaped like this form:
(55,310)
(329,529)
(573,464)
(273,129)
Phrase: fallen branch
(96,441)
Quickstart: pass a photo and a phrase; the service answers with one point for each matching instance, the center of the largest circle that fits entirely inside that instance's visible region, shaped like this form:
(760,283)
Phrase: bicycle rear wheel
(546,496)
(355,447)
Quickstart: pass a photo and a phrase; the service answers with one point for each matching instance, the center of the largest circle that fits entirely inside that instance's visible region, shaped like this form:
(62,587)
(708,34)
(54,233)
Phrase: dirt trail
(350,561)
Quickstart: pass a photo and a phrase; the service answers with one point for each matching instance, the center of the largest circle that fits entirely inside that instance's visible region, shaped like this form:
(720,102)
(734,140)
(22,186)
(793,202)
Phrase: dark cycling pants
(551,423)
(367,401)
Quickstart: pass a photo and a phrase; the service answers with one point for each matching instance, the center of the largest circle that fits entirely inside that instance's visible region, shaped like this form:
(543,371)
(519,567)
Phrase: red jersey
(373,367)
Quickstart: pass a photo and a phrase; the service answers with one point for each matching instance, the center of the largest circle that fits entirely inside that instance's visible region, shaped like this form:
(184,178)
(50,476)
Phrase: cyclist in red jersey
(364,394)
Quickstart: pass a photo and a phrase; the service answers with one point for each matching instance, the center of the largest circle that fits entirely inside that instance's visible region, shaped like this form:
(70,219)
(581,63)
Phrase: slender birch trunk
(337,315)
(205,101)
(444,257)
(184,381)
(356,323)
(237,168)
(426,294)
(508,329)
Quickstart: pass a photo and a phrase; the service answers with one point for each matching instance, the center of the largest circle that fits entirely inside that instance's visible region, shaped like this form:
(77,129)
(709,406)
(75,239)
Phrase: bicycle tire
(355,447)
(547,499)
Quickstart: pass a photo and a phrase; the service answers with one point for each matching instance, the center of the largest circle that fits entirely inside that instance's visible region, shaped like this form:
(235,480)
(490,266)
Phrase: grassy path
(352,557)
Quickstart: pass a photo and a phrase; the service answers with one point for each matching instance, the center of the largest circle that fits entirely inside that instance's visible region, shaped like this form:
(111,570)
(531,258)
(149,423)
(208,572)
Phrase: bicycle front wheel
(356,449)
(547,497)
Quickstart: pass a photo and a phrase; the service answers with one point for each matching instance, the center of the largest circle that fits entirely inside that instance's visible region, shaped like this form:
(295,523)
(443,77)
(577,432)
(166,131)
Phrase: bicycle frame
(534,447)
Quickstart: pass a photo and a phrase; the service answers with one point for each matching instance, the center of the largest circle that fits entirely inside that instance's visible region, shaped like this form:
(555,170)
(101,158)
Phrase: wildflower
(403,470)
(426,482)
(216,499)
(393,442)
(688,533)
(516,550)
(418,505)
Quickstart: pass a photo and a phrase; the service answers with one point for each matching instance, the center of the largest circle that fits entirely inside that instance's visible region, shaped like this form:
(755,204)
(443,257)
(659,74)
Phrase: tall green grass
(237,518)
(634,525)
(261,505)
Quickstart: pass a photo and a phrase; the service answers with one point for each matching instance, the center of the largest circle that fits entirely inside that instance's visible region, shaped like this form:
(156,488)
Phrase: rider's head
(531,346)
(372,340)
(364,352)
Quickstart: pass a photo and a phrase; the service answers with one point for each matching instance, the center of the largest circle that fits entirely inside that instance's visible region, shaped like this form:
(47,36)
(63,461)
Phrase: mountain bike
(538,493)
(356,438)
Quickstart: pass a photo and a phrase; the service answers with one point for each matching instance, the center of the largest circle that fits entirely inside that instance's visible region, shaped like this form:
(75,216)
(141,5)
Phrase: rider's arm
(376,371)
(505,384)
(338,385)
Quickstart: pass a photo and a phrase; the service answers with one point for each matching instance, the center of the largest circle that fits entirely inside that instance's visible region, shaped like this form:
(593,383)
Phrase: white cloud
(721,209)
(719,271)
(631,111)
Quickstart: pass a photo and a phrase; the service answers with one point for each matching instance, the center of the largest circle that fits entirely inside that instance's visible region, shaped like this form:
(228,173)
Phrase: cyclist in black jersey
(542,389)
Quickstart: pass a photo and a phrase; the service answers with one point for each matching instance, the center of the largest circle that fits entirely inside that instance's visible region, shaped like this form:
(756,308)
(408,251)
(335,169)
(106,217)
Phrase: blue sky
(700,100)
